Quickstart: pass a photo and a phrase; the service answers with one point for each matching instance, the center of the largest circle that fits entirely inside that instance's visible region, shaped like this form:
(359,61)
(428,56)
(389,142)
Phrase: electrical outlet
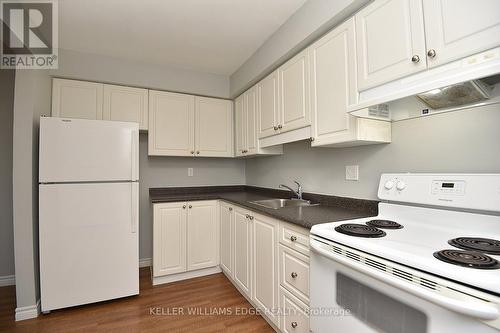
(190,172)
(352,172)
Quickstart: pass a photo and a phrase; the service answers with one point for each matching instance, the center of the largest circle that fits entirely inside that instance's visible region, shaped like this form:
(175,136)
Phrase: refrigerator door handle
(134,207)
(134,159)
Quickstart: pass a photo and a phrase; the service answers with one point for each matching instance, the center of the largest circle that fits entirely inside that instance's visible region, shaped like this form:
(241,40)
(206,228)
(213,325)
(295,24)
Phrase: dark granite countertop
(331,208)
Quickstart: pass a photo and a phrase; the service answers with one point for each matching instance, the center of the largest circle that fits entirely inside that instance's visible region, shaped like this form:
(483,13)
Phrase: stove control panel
(467,191)
(448,187)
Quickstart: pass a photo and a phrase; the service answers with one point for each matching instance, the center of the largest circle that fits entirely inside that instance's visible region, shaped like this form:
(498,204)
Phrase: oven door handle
(458,302)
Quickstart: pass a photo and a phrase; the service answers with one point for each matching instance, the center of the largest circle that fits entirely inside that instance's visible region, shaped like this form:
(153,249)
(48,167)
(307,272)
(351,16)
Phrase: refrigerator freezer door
(88,235)
(77,150)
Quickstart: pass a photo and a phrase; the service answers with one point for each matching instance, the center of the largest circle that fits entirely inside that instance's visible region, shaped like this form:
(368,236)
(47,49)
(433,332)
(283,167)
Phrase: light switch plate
(352,172)
(190,172)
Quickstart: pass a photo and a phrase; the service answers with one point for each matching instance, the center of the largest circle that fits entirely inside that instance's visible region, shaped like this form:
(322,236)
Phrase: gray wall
(159,171)
(307,24)
(7,81)
(32,99)
(91,67)
(462,141)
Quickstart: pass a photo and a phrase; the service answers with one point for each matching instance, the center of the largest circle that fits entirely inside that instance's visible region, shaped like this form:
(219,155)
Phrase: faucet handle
(298,184)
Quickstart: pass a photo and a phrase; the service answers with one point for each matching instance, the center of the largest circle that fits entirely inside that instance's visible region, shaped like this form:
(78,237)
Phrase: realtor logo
(29,34)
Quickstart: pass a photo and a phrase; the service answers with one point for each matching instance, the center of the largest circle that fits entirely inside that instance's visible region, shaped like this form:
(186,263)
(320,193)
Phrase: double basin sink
(282,203)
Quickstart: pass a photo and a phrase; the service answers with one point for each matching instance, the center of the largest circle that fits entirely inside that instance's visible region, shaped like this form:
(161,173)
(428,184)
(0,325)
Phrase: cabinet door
(226,238)
(169,238)
(240,128)
(267,105)
(126,104)
(389,33)
(251,120)
(294,93)
(333,83)
(213,127)
(459,28)
(265,266)
(76,99)
(202,235)
(171,124)
(242,251)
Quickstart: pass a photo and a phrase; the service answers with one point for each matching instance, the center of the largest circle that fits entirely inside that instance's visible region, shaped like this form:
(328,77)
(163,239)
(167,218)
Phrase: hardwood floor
(151,311)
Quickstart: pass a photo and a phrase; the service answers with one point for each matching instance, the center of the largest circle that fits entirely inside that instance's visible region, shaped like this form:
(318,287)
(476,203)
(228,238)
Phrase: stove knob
(401,185)
(389,184)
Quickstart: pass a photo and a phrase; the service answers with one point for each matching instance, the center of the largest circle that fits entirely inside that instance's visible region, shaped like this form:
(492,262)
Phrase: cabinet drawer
(294,273)
(295,318)
(294,237)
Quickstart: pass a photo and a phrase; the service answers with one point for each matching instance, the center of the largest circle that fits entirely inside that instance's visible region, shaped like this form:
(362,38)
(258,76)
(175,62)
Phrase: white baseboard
(186,275)
(7,280)
(144,262)
(28,312)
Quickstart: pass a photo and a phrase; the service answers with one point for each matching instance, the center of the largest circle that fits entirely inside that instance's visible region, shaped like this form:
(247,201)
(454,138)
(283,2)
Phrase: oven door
(345,298)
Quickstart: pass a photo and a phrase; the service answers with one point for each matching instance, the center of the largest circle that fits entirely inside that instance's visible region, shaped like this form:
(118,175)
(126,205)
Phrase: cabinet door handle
(415,58)
(247,216)
(275,128)
(294,324)
(293,238)
(192,152)
(230,209)
(431,53)
(280,126)
(294,275)
(190,206)
(250,217)
(184,207)
(198,152)
(312,139)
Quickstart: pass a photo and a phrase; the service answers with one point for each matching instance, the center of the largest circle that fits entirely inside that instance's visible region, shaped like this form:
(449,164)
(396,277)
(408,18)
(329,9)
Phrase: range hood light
(456,95)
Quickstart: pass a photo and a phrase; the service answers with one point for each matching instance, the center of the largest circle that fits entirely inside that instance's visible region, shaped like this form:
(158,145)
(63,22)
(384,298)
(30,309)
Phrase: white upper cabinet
(246,115)
(77,99)
(240,125)
(214,127)
(267,106)
(171,124)
(390,41)
(294,93)
(251,121)
(126,104)
(333,89)
(459,28)
(202,235)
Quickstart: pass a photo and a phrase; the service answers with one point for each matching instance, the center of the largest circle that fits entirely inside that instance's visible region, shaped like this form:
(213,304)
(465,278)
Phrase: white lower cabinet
(268,261)
(243,251)
(265,266)
(226,238)
(185,240)
(295,317)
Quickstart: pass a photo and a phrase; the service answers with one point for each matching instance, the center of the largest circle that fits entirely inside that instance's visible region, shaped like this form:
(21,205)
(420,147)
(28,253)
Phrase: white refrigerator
(88,211)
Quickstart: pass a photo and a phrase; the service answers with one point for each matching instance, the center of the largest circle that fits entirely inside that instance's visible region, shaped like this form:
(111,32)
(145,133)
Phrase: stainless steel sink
(281,203)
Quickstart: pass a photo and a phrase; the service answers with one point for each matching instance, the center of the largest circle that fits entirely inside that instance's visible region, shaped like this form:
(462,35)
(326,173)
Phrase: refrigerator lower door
(78,150)
(88,235)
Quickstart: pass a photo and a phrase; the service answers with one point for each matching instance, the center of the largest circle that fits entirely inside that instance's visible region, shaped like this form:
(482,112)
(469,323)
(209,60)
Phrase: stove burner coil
(384,224)
(470,259)
(360,230)
(485,245)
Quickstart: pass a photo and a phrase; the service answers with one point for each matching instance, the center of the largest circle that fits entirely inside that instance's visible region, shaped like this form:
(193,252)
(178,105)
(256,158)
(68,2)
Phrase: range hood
(465,83)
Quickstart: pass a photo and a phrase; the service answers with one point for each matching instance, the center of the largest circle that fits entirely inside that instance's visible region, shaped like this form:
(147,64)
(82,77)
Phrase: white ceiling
(213,36)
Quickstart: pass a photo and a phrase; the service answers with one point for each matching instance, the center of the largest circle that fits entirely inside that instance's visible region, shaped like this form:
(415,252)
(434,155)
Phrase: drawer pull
(293,238)
(294,324)
(294,275)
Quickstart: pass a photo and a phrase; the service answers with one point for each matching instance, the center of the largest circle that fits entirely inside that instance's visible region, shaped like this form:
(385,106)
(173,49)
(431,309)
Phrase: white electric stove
(429,262)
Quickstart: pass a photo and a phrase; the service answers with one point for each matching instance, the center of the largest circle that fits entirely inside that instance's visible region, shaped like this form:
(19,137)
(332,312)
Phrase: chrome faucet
(298,193)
